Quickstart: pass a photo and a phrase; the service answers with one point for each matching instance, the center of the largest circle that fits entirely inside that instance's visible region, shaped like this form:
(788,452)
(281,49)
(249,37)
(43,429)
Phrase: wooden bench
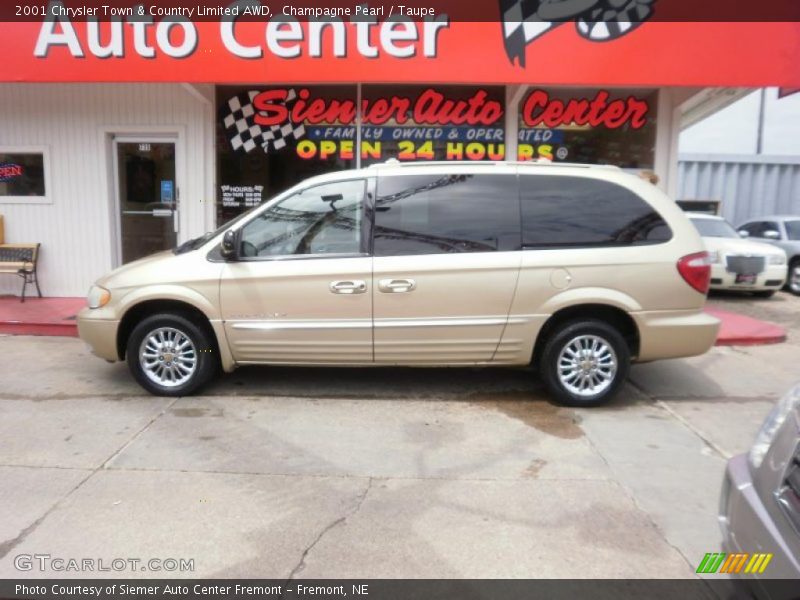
(21,260)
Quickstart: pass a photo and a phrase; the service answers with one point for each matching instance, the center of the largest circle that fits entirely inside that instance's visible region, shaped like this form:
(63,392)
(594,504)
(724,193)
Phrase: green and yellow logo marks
(722,562)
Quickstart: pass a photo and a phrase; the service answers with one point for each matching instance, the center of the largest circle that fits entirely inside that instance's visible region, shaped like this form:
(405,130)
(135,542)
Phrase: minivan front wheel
(169,355)
(584,363)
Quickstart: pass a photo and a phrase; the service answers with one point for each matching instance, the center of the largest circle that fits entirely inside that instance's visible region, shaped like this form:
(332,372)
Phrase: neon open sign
(9,171)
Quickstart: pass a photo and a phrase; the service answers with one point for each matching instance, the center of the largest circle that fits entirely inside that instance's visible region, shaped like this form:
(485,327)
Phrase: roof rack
(393,162)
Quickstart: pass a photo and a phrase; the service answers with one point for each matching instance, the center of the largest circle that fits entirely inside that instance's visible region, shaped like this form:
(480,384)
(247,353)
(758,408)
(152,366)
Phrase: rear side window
(568,212)
(442,214)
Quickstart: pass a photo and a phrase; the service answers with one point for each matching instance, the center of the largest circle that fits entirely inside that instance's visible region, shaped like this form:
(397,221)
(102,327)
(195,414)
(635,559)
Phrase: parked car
(784,232)
(760,503)
(740,264)
(577,270)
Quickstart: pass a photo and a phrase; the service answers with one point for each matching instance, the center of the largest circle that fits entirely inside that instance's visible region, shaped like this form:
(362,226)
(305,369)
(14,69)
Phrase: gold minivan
(576,270)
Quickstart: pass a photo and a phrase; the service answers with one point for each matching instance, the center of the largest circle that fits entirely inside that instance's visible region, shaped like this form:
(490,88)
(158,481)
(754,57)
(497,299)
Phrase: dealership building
(121,137)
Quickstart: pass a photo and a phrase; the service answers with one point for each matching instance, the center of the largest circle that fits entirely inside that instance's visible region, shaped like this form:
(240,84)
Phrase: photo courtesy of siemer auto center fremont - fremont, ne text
(435,299)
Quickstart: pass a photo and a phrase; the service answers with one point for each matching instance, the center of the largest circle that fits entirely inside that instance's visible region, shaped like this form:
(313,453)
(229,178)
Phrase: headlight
(98,296)
(771,425)
(777,259)
(714,257)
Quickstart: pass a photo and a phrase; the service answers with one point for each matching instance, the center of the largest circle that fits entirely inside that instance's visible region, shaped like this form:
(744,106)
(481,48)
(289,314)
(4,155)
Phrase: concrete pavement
(280,472)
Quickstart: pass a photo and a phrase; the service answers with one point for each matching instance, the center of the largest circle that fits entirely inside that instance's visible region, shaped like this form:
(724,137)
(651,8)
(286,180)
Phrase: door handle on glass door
(356,286)
(397,286)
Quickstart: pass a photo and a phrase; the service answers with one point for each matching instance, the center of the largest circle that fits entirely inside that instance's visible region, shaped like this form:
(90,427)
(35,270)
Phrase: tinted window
(436,214)
(751,228)
(793,230)
(560,211)
(325,219)
(757,228)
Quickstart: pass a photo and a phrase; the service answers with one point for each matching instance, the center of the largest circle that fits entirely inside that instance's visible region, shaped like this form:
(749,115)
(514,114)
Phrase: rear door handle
(355,286)
(397,286)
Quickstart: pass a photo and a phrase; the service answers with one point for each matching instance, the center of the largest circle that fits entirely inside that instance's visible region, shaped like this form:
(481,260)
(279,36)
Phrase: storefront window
(22,174)
(271,138)
(432,123)
(616,127)
(261,148)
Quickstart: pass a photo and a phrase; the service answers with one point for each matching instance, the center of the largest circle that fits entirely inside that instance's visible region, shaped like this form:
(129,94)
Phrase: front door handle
(355,286)
(397,286)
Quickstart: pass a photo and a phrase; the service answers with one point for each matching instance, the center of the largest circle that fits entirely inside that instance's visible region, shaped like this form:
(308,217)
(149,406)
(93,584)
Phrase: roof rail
(393,162)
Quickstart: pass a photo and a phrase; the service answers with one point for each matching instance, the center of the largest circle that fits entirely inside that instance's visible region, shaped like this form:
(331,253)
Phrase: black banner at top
(617,13)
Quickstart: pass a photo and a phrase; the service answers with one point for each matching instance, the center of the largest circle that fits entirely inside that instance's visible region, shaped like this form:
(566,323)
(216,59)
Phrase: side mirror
(743,233)
(771,234)
(228,246)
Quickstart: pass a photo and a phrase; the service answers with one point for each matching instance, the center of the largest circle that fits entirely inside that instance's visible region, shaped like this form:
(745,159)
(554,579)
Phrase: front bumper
(772,278)
(99,332)
(748,527)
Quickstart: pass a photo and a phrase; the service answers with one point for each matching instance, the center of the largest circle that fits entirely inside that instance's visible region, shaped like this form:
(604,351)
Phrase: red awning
(655,53)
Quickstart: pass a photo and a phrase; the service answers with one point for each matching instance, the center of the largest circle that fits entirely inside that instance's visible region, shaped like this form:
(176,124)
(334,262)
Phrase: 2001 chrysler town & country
(577,270)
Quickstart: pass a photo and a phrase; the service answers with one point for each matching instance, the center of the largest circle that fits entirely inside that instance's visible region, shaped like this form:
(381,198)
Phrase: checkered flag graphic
(596,20)
(245,133)
(612,19)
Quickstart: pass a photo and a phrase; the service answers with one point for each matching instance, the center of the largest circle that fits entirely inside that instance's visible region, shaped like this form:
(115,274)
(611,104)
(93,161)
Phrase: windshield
(195,243)
(715,228)
(793,230)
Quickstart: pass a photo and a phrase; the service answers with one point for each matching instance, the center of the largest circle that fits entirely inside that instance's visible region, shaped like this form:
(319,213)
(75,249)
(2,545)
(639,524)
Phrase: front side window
(793,230)
(446,213)
(753,228)
(324,219)
(759,228)
(569,212)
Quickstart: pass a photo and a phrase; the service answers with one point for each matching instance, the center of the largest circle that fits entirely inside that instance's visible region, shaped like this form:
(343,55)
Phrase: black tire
(560,339)
(792,279)
(764,294)
(205,354)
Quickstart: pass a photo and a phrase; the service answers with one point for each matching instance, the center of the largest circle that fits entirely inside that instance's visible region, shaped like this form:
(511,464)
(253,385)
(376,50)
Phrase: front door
(147,196)
(446,264)
(300,292)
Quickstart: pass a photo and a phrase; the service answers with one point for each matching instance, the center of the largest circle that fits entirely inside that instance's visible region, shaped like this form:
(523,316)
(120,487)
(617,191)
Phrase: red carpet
(40,316)
(739,330)
(56,316)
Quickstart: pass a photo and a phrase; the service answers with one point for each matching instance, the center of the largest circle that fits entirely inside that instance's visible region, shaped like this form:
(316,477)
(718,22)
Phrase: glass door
(147,196)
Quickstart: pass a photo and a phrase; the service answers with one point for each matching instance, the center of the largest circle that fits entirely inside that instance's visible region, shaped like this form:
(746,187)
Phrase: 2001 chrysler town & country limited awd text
(576,270)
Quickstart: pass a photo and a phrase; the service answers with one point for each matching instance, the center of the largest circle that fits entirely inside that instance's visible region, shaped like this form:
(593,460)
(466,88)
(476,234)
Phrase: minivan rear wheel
(584,363)
(169,355)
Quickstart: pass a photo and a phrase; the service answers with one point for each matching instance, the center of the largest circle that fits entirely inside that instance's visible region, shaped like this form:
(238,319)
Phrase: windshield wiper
(194,243)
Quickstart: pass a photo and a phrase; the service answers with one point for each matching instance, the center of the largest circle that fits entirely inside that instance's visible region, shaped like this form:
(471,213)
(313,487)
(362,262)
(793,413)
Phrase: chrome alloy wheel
(794,279)
(587,365)
(168,357)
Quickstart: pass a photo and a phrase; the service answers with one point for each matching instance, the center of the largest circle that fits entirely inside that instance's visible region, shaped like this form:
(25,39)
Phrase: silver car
(784,232)
(760,504)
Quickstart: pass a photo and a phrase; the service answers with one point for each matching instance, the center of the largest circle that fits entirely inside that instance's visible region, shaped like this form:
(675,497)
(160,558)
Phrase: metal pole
(760,134)
(358,125)
(514,95)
